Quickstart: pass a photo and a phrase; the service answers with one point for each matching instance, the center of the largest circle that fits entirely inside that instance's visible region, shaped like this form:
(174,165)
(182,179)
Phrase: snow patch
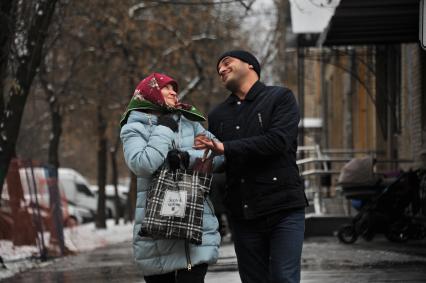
(78,239)
(21,44)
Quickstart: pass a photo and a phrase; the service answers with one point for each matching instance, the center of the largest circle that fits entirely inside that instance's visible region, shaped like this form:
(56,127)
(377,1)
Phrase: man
(258,125)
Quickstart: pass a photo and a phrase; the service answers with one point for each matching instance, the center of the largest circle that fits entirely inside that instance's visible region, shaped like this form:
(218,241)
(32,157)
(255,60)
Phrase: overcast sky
(309,17)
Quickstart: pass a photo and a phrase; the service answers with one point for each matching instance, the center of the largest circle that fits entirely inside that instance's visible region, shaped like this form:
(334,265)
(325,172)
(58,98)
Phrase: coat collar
(251,95)
(138,103)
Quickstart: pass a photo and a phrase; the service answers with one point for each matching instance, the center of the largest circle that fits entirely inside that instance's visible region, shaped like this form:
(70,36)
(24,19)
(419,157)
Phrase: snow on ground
(81,238)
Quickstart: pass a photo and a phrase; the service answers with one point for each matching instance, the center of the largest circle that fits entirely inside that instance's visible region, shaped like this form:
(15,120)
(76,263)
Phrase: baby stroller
(385,205)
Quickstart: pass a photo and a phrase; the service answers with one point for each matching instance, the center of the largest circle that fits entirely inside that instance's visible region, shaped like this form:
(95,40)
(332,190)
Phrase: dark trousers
(196,275)
(269,249)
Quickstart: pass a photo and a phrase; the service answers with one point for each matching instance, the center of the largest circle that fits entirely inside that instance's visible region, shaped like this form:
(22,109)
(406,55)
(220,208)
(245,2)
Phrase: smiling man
(257,126)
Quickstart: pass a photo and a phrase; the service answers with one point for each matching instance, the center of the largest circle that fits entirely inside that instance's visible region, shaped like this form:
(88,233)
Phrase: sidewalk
(324,259)
(82,238)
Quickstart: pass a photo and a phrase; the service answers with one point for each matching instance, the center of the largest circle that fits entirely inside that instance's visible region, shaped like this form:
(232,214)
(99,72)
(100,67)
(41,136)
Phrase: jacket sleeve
(193,153)
(145,155)
(277,139)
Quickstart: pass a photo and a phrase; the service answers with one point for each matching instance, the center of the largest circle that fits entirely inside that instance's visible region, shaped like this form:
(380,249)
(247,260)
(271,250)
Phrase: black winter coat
(259,135)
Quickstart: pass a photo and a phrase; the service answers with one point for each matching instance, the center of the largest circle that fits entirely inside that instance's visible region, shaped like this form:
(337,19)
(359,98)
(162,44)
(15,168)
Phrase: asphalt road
(324,260)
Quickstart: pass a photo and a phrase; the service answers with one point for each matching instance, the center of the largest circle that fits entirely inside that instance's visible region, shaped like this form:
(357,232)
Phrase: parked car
(71,214)
(78,214)
(110,198)
(74,189)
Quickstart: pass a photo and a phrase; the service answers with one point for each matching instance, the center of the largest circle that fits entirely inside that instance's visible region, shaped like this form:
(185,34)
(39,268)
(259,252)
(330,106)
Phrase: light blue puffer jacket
(146,145)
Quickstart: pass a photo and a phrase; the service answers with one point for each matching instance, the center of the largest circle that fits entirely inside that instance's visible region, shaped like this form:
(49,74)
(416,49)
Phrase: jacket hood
(141,117)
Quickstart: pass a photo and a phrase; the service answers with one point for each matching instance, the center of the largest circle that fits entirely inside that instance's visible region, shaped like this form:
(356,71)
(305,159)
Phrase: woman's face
(170,95)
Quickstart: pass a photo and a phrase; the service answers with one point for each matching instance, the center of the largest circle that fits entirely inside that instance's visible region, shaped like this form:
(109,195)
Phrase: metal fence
(320,168)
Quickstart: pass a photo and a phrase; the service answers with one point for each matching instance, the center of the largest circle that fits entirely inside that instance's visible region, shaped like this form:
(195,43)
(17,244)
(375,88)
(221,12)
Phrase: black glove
(168,121)
(176,158)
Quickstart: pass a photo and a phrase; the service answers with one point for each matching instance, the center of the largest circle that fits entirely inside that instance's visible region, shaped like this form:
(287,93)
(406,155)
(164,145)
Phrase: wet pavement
(324,260)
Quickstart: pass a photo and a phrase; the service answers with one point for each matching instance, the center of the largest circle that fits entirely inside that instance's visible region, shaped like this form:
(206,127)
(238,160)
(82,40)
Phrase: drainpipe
(301,93)
(324,102)
(348,114)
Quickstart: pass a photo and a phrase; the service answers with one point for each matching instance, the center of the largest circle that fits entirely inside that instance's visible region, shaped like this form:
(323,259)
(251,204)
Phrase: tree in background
(96,54)
(25,25)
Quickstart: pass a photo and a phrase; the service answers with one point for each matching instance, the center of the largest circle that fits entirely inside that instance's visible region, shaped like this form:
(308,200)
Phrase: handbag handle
(207,156)
(204,164)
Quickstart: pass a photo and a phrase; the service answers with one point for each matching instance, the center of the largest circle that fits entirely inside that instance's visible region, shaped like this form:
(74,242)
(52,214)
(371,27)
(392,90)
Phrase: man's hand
(198,139)
(203,142)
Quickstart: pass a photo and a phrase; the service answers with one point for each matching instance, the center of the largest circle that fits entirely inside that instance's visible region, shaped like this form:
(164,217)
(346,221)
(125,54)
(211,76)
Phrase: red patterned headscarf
(147,96)
(150,88)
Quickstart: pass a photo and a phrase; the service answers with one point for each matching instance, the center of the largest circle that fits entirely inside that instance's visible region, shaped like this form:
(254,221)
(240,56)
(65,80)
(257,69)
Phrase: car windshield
(84,189)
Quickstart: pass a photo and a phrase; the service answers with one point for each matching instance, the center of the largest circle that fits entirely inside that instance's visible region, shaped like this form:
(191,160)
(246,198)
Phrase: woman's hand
(176,158)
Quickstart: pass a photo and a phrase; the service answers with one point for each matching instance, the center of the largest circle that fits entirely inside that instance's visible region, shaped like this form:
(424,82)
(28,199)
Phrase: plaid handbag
(175,205)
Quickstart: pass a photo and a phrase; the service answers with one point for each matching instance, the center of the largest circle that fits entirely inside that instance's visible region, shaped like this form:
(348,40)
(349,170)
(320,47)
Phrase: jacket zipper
(188,257)
(210,204)
(259,117)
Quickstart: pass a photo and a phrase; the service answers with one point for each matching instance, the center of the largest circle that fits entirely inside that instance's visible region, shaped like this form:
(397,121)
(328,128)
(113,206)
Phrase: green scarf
(189,111)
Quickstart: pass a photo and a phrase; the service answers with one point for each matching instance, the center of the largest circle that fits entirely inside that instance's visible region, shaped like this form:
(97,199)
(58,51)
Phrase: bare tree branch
(190,87)
(140,6)
(275,36)
(187,43)
(328,5)
(174,2)
(195,81)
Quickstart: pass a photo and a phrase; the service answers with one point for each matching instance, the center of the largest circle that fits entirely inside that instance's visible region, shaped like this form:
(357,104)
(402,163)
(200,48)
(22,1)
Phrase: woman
(156,128)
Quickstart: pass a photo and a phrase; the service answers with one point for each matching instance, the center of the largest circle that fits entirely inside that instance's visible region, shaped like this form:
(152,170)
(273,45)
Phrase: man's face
(232,72)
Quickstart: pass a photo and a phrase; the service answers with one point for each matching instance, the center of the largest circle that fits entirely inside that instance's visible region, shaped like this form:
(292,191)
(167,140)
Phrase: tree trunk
(6,31)
(131,196)
(131,199)
(102,168)
(115,180)
(56,227)
(26,65)
(57,233)
(56,132)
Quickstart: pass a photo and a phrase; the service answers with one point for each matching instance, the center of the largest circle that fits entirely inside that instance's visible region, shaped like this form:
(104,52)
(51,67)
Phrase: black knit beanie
(243,56)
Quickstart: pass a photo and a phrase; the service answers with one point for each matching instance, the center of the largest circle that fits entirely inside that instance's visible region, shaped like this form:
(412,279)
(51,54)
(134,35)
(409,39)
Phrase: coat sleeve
(277,139)
(145,153)
(193,153)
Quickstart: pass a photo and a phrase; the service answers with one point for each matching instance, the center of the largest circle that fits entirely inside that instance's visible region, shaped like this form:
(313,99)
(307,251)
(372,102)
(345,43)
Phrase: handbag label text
(174,203)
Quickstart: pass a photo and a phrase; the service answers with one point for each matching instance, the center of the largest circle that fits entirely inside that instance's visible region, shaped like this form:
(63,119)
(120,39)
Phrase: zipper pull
(149,119)
(260,119)
(188,257)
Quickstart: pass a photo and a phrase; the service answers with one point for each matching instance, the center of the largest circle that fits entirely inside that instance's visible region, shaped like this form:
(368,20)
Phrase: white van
(110,198)
(72,186)
(76,189)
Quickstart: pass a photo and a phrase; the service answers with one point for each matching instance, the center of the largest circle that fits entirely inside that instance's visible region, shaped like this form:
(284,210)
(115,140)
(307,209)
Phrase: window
(388,88)
(84,189)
